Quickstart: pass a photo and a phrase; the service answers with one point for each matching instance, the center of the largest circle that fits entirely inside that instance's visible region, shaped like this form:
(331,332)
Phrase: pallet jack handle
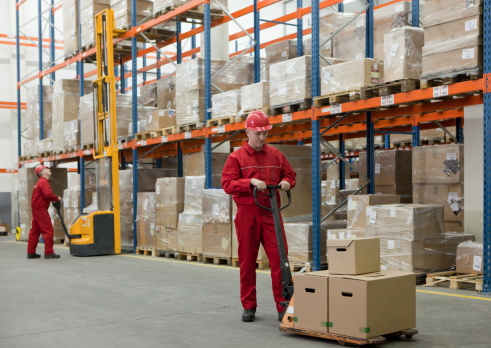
(286,274)
(57,206)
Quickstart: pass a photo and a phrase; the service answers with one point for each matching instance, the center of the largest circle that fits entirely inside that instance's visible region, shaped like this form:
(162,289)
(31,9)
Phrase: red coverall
(253,224)
(42,196)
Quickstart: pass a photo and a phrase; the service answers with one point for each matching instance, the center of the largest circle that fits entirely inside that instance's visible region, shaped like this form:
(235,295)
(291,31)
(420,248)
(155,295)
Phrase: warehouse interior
(136,107)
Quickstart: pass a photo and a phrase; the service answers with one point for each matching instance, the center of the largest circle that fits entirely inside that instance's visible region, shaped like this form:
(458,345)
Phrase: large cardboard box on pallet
(442,11)
(312,301)
(166,92)
(469,258)
(370,305)
(452,240)
(70,27)
(226,104)
(158,119)
(403,53)
(391,167)
(351,76)
(354,256)
(194,165)
(281,51)
(442,164)
(88,9)
(169,201)
(357,205)
(146,228)
(254,96)
(217,240)
(450,196)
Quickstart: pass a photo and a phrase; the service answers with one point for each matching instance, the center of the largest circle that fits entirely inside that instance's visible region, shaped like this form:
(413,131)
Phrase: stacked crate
(438,178)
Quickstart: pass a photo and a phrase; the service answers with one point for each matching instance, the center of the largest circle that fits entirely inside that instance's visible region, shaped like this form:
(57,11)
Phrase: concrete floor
(129,301)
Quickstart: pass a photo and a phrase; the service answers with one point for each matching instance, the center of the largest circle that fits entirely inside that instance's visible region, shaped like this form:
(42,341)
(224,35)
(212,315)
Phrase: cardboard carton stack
(281,52)
(403,54)
(411,236)
(349,43)
(354,298)
(226,104)
(70,27)
(194,165)
(161,6)
(169,203)
(158,119)
(453,36)
(254,96)
(88,9)
(189,232)
(392,173)
(148,95)
(217,228)
(71,196)
(325,33)
(190,102)
(145,221)
(438,178)
(166,92)
(32,118)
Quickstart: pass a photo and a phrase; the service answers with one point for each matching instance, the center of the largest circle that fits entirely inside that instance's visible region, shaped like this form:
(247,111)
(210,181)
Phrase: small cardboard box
(312,301)
(354,256)
(469,258)
(371,305)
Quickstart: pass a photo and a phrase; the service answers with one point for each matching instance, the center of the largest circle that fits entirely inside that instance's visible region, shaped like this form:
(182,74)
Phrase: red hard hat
(39,169)
(258,121)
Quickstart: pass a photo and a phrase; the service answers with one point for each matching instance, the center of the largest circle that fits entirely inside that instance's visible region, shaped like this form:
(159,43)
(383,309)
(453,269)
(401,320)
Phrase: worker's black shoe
(33,256)
(52,256)
(280,315)
(249,315)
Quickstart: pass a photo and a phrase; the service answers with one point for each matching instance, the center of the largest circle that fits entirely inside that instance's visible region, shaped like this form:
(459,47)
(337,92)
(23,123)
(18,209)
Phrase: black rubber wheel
(409,336)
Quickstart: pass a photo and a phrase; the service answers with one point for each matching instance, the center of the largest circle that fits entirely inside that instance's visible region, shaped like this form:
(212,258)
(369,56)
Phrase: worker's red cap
(258,121)
(39,169)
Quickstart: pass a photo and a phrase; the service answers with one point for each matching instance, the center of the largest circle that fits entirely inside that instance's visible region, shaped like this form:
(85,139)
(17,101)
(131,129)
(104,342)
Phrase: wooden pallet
(337,98)
(170,254)
(260,264)
(197,13)
(146,251)
(389,88)
(220,121)
(45,154)
(72,149)
(88,146)
(71,54)
(59,241)
(443,79)
(455,281)
(144,135)
(248,111)
(189,257)
(300,267)
(290,107)
(185,128)
(217,260)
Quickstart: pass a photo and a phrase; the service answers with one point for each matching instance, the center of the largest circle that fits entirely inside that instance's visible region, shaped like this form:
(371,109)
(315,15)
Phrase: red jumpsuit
(253,224)
(42,196)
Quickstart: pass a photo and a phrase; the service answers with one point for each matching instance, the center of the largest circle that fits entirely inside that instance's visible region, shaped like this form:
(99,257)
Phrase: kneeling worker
(256,164)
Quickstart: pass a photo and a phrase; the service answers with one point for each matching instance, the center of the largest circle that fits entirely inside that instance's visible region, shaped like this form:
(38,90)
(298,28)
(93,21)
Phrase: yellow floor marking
(454,295)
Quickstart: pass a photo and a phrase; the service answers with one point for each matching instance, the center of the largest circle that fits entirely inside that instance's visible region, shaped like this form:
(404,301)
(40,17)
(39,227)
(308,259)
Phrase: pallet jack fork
(287,323)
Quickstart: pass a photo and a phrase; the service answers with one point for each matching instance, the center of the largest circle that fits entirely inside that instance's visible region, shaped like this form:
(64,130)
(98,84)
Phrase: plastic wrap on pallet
(461,56)
(122,11)
(87,119)
(71,134)
(159,119)
(457,29)
(349,43)
(32,113)
(141,126)
(436,12)
(124,112)
(217,240)
(70,27)
(325,49)
(453,239)
(189,236)
(469,258)
(450,196)
(442,164)
(216,207)
(226,104)
(351,76)
(357,205)
(345,233)
(45,145)
(403,53)
(169,200)
(193,194)
(148,95)
(281,51)
(190,107)
(166,92)
(161,6)
(392,167)
(194,165)
(88,9)
(145,220)
(126,218)
(254,96)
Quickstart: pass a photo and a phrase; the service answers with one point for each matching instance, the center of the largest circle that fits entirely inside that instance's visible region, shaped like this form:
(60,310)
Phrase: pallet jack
(98,233)
(287,323)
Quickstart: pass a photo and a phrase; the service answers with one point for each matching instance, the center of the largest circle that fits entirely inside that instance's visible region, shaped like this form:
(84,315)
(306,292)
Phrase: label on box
(391,244)
(348,235)
(373,217)
(215,209)
(471,25)
(330,236)
(377,168)
(152,228)
(161,113)
(392,212)
(468,53)
(359,56)
(352,205)
(393,50)
(383,267)
(290,310)
(284,54)
(341,235)
(477,263)
(145,205)
(451,156)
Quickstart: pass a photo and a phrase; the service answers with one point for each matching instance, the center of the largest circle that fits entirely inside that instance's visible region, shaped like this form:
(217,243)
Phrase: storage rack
(370,116)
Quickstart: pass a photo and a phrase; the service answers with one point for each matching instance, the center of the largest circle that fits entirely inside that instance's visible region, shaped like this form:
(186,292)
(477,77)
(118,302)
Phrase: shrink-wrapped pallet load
(217,228)
(403,54)
(88,10)
(254,96)
(145,221)
(226,104)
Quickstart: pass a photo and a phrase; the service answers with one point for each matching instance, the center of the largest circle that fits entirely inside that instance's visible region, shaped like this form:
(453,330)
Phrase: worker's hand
(261,185)
(59,198)
(285,185)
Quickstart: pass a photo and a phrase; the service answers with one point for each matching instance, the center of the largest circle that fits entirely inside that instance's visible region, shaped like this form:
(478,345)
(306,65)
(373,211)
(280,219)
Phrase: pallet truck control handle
(272,190)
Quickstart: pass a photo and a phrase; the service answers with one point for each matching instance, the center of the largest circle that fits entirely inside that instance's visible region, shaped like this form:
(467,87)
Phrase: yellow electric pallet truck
(287,323)
(98,233)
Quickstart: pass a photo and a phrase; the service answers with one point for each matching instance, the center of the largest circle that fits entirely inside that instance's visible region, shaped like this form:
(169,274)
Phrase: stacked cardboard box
(351,76)
(70,27)
(145,221)
(392,173)
(226,104)
(194,165)
(349,43)
(438,178)
(357,205)
(33,116)
(411,236)
(71,195)
(88,9)
(452,35)
(281,52)
(469,258)
(453,240)
(325,48)
(159,119)
(254,96)
(353,298)
(166,92)
(148,95)
(169,202)
(189,234)
(122,11)
(217,228)
(403,54)
(190,102)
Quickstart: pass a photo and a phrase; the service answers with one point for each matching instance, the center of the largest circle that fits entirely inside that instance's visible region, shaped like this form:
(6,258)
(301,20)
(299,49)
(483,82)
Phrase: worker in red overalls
(256,165)
(42,196)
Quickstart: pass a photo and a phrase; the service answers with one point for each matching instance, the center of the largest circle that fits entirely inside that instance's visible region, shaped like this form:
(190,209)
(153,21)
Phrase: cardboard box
(354,256)
(403,57)
(370,305)
(194,165)
(442,11)
(452,240)
(357,205)
(405,192)
(217,240)
(254,96)
(450,196)
(469,258)
(438,164)
(456,29)
(216,207)
(146,227)
(351,76)
(226,104)
(312,301)
(281,51)
(392,167)
(158,119)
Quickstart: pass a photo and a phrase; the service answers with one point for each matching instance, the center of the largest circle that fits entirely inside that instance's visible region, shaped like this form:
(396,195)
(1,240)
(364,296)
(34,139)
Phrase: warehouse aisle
(128,301)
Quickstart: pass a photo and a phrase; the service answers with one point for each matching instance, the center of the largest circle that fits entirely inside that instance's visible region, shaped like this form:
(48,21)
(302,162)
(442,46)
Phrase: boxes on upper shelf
(403,53)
